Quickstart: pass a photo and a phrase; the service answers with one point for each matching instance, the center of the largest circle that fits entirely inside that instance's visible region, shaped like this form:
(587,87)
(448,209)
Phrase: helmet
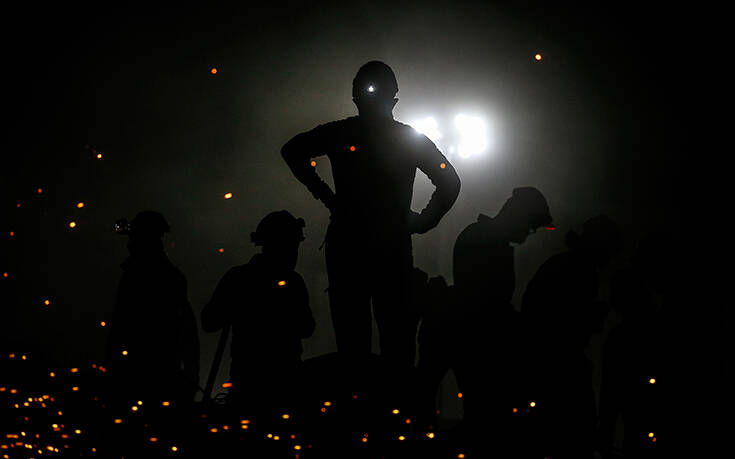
(279,226)
(600,233)
(374,79)
(529,202)
(147,223)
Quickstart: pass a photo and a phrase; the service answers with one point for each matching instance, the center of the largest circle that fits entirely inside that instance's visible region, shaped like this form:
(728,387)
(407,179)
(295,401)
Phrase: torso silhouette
(560,299)
(153,337)
(374,164)
(484,271)
(269,312)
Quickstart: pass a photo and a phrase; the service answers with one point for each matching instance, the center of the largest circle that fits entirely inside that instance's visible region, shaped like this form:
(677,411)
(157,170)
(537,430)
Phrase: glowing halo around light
(429,127)
(472,135)
(466,136)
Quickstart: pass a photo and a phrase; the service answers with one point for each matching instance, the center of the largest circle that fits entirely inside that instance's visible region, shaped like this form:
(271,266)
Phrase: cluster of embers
(65,413)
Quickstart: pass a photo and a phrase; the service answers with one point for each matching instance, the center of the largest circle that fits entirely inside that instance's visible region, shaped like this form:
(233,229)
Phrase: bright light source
(472,135)
(371,89)
(429,127)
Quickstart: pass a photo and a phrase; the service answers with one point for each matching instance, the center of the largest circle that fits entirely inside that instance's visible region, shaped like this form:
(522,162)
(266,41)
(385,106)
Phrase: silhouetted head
(601,238)
(145,232)
(374,89)
(279,234)
(523,213)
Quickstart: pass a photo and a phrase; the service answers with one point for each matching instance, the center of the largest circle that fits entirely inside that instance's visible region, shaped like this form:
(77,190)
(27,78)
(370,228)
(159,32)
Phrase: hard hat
(531,203)
(279,226)
(374,79)
(147,223)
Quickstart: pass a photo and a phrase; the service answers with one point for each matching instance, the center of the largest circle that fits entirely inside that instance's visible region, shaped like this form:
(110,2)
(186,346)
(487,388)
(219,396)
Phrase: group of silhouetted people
(503,358)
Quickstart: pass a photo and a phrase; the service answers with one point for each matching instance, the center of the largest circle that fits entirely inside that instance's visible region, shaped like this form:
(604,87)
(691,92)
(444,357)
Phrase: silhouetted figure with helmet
(562,309)
(267,305)
(492,334)
(368,244)
(153,345)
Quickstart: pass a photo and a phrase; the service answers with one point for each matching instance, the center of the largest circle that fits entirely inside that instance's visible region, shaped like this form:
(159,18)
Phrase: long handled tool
(223,337)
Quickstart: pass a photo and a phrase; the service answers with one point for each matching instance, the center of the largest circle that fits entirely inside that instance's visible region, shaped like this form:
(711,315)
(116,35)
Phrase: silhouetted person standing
(368,245)
(484,279)
(561,307)
(153,346)
(267,304)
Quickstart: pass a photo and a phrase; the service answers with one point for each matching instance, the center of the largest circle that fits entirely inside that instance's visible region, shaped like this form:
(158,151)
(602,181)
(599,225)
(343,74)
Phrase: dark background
(603,124)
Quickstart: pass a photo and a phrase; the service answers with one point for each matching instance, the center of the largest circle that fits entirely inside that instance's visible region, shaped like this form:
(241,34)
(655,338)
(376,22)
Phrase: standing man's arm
(443,176)
(299,152)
